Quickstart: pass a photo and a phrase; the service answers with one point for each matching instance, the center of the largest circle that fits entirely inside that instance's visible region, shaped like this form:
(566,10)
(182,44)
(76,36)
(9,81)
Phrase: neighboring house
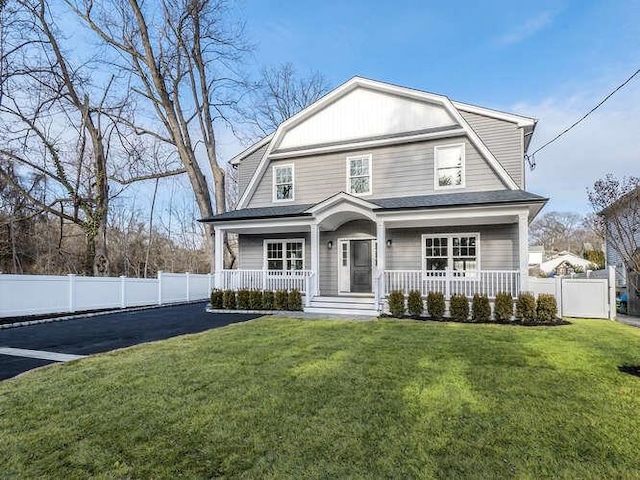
(566,263)
(622,229)
(377,187)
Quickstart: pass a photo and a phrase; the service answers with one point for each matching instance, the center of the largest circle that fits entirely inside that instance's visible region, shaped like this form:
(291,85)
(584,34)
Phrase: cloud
(606,142)
(520,32)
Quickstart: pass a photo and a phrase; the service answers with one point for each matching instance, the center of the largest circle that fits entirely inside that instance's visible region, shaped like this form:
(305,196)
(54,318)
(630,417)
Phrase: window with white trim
(359,175)
(449,166)
(282,183)
(458,252)
(284,255)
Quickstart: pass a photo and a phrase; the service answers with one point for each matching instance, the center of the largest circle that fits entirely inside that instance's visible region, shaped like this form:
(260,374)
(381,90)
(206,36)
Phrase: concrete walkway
(628,320)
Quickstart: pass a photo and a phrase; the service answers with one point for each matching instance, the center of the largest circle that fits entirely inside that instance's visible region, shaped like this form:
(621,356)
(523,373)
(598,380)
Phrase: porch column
(218,253)
(382,256)
(315,257)
(523,239)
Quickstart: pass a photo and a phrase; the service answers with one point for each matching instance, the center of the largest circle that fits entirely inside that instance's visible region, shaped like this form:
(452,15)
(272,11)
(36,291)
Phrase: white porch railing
(266,280)
(449,282)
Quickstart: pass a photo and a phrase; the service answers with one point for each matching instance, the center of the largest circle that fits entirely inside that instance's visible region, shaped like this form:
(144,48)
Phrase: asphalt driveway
(102,333)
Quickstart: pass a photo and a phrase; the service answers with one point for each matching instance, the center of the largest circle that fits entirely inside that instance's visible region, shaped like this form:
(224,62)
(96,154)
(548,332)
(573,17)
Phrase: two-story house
(377,187)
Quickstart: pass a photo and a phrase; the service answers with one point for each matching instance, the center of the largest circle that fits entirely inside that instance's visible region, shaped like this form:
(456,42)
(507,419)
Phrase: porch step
(364,306)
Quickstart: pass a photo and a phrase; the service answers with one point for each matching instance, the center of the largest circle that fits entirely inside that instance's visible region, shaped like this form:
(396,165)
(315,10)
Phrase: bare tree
(281,94)
(182,56)
(558,231)
(617,204)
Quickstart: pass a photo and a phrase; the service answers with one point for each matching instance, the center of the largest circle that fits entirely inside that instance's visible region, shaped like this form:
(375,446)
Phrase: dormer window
(282,183)
(449,166)
(359,175)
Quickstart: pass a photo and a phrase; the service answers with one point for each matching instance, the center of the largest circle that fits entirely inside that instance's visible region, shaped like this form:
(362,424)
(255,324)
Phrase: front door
(360,266)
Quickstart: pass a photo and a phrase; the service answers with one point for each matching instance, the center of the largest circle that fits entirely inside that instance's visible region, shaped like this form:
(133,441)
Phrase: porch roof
(442,200)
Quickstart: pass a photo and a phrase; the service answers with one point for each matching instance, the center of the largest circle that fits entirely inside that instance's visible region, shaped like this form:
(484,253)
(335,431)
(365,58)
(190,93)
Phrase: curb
(94,314)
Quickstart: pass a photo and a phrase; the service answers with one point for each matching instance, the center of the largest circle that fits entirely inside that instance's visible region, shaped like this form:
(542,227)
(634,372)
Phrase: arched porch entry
(347,248)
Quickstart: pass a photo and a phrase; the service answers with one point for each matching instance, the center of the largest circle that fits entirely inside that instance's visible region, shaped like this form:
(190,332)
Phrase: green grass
(284,398)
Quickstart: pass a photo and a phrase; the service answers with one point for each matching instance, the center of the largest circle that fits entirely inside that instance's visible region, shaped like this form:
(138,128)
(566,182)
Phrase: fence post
(159,287)
(612,292)
(188,277)
(447,284)
(559,296)
(72,292)
(123,291)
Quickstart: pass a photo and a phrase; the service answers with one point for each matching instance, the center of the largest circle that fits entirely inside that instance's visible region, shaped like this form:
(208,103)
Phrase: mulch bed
(520,323)
(630,369)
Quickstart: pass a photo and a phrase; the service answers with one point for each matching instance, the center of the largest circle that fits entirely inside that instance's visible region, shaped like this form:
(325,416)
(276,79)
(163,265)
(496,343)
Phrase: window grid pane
(463,256)
(284,183)
(359,175)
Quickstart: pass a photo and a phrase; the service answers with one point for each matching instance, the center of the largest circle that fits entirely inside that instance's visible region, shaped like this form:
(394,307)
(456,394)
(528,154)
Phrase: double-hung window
(359,175)
(458,252)
(284,255)
(449,166)
(283,178)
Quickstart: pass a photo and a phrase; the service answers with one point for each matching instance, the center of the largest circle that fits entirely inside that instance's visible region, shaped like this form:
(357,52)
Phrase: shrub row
(256,300)
(527,308)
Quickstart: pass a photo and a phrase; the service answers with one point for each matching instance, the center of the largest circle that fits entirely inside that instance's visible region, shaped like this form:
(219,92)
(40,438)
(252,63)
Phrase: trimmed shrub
(526,307)
(295,300)
(255,300)
(415,307)
(396,303)
(267,300)
(216,298)
(459,308)
(244,300)
(546,308)
(229,299)
(281,300)
(436,305)
(503,309)
(480,308)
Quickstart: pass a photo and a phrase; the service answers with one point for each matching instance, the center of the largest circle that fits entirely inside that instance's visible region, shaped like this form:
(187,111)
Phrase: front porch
(447,282)
(347,249)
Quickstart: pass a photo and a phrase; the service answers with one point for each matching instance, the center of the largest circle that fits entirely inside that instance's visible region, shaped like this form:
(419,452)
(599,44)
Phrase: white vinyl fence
(580,297)
(41,294)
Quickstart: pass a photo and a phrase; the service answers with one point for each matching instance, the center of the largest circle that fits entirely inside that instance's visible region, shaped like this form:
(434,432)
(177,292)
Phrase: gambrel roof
(363,113)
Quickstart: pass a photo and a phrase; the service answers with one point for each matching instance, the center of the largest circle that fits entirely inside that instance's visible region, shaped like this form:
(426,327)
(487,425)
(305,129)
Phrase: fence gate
(587,298)
(580,297)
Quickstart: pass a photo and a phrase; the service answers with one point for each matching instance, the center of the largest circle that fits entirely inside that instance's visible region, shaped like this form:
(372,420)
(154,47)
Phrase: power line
(531,157)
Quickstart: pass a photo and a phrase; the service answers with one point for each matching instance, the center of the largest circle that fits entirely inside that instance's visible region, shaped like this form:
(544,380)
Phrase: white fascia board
(341,198)
(249,150)
(369,144)
(452,212)
(261,223)
(520,120)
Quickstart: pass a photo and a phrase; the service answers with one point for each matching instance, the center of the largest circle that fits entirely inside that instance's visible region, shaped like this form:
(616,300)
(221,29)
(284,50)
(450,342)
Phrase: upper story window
(449,166)
(282,183)
(359,175)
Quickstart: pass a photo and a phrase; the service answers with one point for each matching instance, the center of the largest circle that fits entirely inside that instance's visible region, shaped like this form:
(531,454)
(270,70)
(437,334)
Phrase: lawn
(284,398)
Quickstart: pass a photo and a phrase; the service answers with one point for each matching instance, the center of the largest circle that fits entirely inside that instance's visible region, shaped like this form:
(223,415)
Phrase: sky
(551,60)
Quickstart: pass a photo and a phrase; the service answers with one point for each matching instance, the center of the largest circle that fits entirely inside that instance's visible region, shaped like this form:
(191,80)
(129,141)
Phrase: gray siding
(503,139)
(498,246)
(398,170)
(251,249)
(246,168)
(329,258)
